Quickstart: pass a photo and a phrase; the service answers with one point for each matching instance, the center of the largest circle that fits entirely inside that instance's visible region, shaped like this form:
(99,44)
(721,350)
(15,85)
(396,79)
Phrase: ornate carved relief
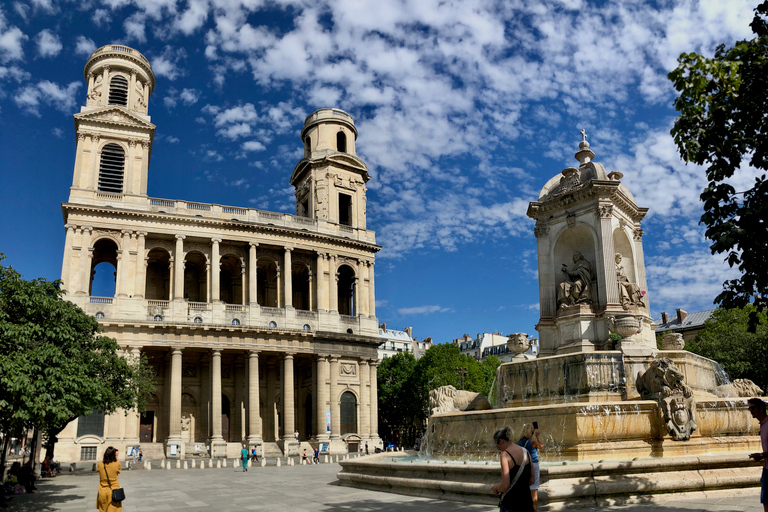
(638,234)
(606,210)
(189,370)
(541,231)
(347,369)
(665,383)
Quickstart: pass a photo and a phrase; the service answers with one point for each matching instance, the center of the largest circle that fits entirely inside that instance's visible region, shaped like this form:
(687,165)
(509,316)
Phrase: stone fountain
(605,408)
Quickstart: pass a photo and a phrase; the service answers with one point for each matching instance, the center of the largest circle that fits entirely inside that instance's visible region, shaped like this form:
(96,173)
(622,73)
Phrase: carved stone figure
(740,388)
(186,421)
(673,341)
(629,292)
(577,286)
(450,399)
(518,343)
(664,382)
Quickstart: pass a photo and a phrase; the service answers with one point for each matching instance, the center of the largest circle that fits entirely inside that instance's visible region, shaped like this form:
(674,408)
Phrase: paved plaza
(290,488)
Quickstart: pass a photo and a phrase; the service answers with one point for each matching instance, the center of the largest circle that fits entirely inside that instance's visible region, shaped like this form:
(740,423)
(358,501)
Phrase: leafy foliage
(397,408)
(725,338)
(723,121)
(54,366)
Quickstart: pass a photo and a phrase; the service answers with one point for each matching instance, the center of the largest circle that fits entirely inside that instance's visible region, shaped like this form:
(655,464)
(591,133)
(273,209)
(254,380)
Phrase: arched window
(103,268)
(272,325)
(91,424)
(306,327)
(99,315)
(341,142)
(158,318)
(111,169)
(118,91)
(348,413)
(266,283)
(198,320)
(346,295)
(235,321)
(301,290)
(157,286)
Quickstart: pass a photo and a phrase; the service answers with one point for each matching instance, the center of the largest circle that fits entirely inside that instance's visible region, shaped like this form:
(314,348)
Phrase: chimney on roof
(409,331)
(428,339)
(681,314)
(383,326)
(664,318)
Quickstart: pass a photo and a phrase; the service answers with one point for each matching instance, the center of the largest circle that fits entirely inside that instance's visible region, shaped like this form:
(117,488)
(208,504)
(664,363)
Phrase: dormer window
(341,142)
(118,91)
(111,169)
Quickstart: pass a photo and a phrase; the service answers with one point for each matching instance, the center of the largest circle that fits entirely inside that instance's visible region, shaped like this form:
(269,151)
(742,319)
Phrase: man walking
(757,409)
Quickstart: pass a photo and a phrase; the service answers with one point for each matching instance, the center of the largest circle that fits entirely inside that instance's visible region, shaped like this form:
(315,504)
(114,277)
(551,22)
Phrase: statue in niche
(629,292)
(577,286)
(665,383)
(186,421)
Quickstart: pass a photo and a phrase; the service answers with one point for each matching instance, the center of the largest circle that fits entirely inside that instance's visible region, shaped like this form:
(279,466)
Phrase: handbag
(514,480)
(118,494)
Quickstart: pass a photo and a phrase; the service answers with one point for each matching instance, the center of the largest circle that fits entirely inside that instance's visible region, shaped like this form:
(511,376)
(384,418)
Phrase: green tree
(723,122)
(725,338)
(54,366)
(397,408)
(438,368)
(489,366)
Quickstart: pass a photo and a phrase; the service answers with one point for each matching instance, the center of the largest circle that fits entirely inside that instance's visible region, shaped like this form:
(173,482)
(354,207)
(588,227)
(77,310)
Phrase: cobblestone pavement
(287,488)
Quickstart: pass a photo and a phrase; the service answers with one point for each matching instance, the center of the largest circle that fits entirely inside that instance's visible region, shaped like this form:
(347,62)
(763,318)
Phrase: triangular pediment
(114,115)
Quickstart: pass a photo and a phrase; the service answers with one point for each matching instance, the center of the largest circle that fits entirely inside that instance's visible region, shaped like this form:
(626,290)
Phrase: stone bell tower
(590,256)
(330,179)
(114,132)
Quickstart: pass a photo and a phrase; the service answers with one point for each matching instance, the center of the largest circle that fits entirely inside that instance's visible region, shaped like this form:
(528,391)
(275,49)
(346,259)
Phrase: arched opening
(158,275)
(348,413)
(266,283)
(341,142)
(300,280)
(111,168)
(195,282)
(346,290)
(308,433)
(225,417)
(118,91)
(230,280)
(103,269)
(307,146)
(91,424)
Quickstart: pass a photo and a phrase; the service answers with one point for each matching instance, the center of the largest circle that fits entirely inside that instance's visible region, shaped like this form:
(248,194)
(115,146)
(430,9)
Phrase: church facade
(259,325)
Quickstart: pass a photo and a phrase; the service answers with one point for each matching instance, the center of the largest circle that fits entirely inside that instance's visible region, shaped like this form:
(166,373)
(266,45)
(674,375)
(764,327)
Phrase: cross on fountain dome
(584,154)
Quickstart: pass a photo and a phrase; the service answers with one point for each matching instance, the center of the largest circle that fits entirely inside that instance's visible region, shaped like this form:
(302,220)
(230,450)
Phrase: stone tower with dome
(258,324)
(590,258)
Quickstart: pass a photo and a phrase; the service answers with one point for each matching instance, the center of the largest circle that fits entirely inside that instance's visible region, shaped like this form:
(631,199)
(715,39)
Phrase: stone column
(365,395)
(86,255)
(172,278)
(254,420)
(104,98)
(216,437)
(94,173)
(141,265)
(277,275)
(132,90)
(374,399)
(243,288)
(334,399)
(288,281)
(253,264)
(132,418)
(311,279)
(216,269)
(66,264)
(174,409)
(178,268)
(371,292)
(356,295)
(333,284)
(323,394)
(288,416)
(124,266)
(607,254)
(322,284)
(361,301)
(639,262)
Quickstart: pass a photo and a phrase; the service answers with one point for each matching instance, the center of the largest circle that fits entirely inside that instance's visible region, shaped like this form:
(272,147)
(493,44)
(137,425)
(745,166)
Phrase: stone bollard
(278,462)
(178,464)
(168,465)
(194,462)
(185,465)
(72,467)
(218,464)
(250,463)
(210,463)
(303,462)
(202,464)
(263,462)
(95,466)
(148,466)
(326,459)
(162,464)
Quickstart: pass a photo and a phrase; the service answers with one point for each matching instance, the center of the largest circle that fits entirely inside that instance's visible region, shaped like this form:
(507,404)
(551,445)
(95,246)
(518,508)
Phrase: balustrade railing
(198,206)
(101,300)
(236,307)
(162,202)
(272,311)
(199,306)
(236,211)
(158,303)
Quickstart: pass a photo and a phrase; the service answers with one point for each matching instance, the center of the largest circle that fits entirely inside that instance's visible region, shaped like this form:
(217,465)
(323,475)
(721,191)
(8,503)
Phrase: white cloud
(168,64)
(84,46)
(135,29)
(189,96)
(423,310)
(58,132)
(31,97)
(48,44)
(14,73)
(172,140)
(253,145)
(101,17)
(11,42)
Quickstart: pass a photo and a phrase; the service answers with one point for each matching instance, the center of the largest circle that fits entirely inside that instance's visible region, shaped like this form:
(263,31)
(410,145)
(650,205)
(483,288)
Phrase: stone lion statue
(740,388)
(665,383)
(450,399)
(673,341)
(518,342)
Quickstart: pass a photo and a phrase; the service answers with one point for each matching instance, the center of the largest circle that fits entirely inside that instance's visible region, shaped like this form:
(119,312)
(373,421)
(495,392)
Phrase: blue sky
(464,110)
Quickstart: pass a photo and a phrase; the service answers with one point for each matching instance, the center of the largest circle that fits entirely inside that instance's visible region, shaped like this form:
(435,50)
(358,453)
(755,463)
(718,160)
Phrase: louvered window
(118,91)
(111,169)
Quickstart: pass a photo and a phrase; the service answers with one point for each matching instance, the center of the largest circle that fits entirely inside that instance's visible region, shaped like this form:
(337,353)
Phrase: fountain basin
(582,484)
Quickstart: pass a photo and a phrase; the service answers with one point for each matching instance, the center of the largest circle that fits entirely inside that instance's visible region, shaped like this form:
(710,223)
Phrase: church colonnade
(246,273)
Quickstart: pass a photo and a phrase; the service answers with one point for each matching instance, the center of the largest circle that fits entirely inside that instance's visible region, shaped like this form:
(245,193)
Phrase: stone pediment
(115,115)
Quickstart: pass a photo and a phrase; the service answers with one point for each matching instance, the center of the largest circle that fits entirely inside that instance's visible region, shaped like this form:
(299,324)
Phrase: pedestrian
(516,474)
(141,455)
(296,436)
(757,409)
(244,458)
(255,455)
(316,456)
(529,439)
(135,455)
(108,468)
(366,447)
(304,457)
